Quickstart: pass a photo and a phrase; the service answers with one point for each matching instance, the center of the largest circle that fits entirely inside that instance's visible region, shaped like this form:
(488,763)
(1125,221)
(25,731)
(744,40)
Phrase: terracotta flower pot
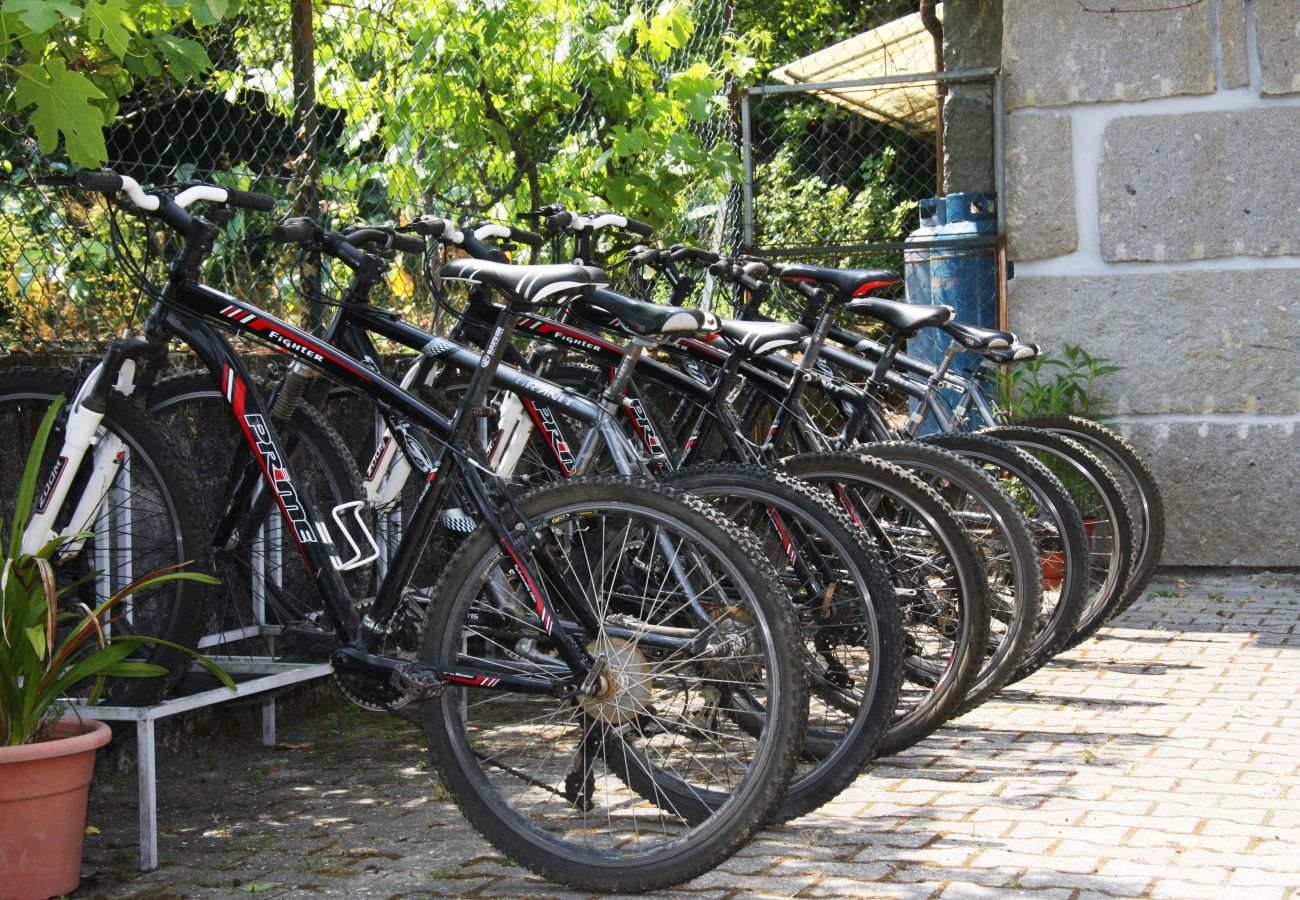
(1053,562)
(43,791)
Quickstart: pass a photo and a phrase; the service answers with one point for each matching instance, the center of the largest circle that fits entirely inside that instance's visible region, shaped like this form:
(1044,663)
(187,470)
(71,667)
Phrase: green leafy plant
(66,63)
(46,652)
(1056,385)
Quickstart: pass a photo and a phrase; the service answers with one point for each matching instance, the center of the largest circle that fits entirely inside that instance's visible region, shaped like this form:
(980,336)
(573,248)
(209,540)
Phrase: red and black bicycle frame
(196,314)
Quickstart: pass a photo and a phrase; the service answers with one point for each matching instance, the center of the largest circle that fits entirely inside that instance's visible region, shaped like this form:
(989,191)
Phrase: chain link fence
(858,124)
(376,112)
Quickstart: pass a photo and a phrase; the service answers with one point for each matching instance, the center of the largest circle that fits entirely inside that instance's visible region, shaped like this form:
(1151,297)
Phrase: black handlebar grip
(104,182)
(338,247)
(298,230)
(429,226)
(407,243)
(479,250)
(558,222)
(358,236)
(524,236)
(638,228)
(682,251)
(748,282)
(250,200)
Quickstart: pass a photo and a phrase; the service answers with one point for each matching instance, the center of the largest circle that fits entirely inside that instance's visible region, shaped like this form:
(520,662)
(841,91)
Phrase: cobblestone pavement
(1158,760)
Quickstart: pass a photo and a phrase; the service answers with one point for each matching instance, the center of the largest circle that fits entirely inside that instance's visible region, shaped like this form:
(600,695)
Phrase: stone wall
(1153,211)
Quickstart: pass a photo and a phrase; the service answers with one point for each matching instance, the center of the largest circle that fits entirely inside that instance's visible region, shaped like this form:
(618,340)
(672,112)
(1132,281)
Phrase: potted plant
(47,756)
(1064,385)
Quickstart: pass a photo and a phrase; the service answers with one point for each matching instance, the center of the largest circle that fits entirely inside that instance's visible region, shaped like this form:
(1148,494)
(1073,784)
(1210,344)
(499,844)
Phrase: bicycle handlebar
(106,182)
(297,230)
(509,232)
(388,237)
(574,223)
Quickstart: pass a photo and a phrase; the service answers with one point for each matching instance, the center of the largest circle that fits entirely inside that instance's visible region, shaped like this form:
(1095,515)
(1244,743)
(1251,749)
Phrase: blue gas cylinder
(966,280)
(916,263)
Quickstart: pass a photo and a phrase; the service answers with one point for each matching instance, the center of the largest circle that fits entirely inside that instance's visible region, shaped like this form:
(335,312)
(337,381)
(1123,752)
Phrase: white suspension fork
(389,468)
(108,458)
(515,427)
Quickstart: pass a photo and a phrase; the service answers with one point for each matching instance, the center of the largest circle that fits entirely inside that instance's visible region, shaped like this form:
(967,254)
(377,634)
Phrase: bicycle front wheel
(145,520)
(660,775)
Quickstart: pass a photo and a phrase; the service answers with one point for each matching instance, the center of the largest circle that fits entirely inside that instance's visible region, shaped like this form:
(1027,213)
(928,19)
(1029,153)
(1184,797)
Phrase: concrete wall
(1153,209)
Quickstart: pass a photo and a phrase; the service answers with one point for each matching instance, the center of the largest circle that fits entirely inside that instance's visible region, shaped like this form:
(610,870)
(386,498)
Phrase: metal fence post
(747,161)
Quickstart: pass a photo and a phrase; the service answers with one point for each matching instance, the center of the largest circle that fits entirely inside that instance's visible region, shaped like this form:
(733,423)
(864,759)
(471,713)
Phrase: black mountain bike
(608,672)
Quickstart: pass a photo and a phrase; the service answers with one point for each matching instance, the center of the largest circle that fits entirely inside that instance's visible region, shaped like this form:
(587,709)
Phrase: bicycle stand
(266,675)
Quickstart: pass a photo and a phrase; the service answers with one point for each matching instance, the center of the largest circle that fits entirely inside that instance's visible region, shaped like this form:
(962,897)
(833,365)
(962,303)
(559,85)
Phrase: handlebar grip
(558,222)
(104,182)
(682,251)
(293,231)
(640,229)
(249,200)
(389,238)
(748,282)
(428,226)
(524,236)
(337,246)
(407,244)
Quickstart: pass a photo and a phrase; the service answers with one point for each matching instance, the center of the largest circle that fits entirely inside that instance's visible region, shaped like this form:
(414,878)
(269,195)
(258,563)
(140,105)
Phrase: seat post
(932,385)
(613,395)
(892,346)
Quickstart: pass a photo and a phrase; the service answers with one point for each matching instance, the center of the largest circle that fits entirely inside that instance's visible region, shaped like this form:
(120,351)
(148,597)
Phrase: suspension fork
(82,419)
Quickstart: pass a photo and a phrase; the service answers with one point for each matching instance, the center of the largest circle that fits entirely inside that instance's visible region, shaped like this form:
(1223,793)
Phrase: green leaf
(62,101)
(27,486)
(42,15)
(695,87)
(107,21)
(131,668)
(209,12)
(36,637)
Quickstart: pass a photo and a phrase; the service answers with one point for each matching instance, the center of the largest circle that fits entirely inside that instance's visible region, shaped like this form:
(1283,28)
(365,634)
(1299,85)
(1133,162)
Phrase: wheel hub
(623,690)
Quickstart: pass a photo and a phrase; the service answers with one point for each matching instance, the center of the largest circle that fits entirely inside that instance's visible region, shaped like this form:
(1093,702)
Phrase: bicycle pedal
(416,685)
(456,519)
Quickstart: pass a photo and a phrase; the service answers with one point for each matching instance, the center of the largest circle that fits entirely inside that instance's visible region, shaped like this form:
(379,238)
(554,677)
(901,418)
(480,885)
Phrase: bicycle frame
(196,314)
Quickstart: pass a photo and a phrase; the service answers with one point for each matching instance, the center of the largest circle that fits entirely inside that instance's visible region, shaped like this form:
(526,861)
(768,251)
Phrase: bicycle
(944,625)
(638,686)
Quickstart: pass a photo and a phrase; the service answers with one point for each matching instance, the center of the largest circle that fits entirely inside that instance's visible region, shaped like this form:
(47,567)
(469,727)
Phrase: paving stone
(1232,41)
(1040,186)
(1237,329)
(1147,822)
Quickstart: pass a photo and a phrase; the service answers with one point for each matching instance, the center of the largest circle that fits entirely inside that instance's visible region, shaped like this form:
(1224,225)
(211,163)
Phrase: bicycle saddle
(907,318)
(846,282)
(761,338)
(648,319)
(1017,352)
(532,284)
(972,337)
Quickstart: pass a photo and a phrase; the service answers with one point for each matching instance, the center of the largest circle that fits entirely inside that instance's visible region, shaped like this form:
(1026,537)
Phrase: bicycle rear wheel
(652,781)
(941,589)
(1135,479)
(1006,547)
(1058,532)
(1107,520)
(846,610)
(146,521)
